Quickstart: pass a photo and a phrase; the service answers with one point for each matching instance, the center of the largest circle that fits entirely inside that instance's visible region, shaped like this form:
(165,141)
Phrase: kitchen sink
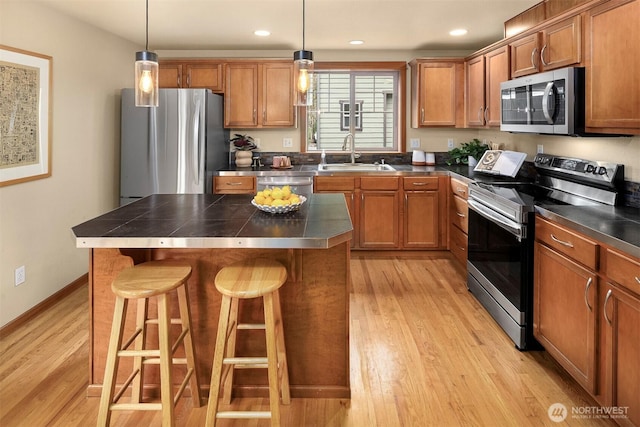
(355,167)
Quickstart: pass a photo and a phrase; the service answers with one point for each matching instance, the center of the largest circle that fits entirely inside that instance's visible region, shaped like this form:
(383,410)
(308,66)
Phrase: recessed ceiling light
(356,42)
(458,32)
(262,33)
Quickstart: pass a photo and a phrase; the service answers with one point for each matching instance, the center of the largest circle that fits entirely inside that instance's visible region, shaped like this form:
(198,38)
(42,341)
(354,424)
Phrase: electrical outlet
(415,142)
(20,276)
(450,143)
(257,142)
(540,149)
(287,142)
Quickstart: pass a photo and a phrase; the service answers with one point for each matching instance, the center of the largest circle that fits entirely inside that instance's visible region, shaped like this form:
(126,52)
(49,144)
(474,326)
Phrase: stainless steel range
(501,233)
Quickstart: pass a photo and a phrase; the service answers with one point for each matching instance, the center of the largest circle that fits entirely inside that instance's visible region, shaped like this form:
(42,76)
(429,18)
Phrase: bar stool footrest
(243,414)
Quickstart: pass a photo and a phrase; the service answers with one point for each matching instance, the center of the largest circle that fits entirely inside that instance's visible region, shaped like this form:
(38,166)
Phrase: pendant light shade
(146,73)
(303,68)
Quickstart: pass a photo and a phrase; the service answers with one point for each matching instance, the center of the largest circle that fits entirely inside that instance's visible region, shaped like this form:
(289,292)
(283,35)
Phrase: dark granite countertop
(217,221)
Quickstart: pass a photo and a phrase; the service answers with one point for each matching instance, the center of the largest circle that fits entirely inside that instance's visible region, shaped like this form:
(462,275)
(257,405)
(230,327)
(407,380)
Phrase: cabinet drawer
(458,245)
(234,184)
(379,183)
(334,183)
(623,269)
(420,183)
(459,188)
(458,213)
(568,242)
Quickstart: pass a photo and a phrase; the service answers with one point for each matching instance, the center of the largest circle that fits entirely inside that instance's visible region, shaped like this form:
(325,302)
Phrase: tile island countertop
(211,231)
(217,221)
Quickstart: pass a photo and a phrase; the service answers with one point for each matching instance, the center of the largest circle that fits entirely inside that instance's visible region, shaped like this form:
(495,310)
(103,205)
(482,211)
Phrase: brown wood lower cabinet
(587,315)
(620,335)
(564,313)
(393,212)
(379,213)
(234,185)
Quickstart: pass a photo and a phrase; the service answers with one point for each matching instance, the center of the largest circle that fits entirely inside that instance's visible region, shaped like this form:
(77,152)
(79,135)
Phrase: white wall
(89,68)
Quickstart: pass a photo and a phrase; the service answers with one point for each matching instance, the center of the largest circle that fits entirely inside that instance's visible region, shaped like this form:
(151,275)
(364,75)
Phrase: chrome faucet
(354,155)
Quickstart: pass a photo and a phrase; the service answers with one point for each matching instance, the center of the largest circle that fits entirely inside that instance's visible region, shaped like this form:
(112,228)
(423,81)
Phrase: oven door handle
(511,226)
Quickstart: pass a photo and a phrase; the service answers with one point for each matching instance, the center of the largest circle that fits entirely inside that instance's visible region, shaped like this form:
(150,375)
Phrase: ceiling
(330,24)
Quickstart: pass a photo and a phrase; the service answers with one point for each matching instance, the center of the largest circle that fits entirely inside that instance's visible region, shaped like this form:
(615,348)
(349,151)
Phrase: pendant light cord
(303,23)
(146,44)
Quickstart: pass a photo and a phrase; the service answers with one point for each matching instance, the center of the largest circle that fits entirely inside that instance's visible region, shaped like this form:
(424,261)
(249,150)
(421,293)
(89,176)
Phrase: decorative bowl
(280,209)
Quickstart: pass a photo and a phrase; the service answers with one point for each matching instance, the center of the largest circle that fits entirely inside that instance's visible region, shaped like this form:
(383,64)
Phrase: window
(366,101)
(345,115)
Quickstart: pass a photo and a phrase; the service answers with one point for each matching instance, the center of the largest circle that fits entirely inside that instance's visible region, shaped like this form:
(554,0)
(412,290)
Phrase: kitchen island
(211,231)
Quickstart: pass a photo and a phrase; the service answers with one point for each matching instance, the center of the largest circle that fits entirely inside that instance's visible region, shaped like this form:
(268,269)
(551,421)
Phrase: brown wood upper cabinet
(484,74)
(437,94)
(612,40)
(202,73)
(258,94)
(556,46)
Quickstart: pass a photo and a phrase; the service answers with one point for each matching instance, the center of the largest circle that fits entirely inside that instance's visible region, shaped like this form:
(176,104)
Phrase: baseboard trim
(39,308)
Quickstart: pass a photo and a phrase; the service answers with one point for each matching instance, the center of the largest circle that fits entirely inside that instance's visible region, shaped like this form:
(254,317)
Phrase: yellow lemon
(278,202)
(266,192)
(259,199)
(259,194)
(268,201)
(277,193)
(286,192)
(294,200)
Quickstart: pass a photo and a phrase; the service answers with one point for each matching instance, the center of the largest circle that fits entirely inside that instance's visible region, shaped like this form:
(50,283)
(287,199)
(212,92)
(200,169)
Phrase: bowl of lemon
(278,200)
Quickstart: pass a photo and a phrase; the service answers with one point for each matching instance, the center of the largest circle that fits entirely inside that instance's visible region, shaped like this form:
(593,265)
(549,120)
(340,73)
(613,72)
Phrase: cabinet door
(345,185)
(612,64)
(437,94)
(564,318)
(207,75)
(169,75)
(277,95)
(475,91)
(525,55)
(562,44)
(379,220)
(421,219)
(234,185)
(241,95)
(621,324)
(458,246)
(496,72)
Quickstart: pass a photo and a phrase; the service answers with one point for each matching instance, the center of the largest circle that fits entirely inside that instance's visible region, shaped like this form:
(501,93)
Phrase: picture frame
(26,80)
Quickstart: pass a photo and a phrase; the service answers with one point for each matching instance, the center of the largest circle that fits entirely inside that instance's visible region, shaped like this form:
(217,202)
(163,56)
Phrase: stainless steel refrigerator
(173,148)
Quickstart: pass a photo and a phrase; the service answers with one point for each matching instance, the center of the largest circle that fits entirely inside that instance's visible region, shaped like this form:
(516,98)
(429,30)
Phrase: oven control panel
(603,172)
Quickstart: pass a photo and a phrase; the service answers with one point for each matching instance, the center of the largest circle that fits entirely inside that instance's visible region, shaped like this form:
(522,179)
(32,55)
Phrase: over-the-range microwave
(548,103)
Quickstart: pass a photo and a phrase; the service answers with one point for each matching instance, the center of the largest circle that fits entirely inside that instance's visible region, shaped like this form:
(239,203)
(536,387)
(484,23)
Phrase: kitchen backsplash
(630,196)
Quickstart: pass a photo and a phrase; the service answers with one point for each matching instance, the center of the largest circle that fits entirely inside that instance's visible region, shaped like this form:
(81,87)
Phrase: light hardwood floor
(423,353)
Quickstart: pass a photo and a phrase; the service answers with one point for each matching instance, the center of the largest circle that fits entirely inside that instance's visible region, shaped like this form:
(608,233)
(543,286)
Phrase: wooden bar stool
(252,278)
(141,282)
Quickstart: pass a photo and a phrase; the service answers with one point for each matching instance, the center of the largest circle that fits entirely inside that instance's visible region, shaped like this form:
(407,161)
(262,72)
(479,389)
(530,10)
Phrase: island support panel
(315,309)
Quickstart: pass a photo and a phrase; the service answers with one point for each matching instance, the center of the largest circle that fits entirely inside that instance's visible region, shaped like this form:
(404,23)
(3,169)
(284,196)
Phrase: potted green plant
(468,153)
(243,145)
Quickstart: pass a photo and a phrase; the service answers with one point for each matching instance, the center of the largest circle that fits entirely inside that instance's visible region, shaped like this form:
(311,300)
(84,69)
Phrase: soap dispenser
(323,158)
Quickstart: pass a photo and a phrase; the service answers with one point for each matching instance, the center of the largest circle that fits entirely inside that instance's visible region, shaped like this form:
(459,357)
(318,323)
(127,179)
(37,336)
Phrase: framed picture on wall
(25,115)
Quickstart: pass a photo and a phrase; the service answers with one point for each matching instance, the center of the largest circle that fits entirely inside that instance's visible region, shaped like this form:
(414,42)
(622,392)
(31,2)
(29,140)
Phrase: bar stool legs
(225,360)
(157,282)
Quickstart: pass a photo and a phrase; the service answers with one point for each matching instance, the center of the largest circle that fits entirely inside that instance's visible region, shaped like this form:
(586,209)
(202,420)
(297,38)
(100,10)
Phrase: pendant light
(146,75)
(303,67)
